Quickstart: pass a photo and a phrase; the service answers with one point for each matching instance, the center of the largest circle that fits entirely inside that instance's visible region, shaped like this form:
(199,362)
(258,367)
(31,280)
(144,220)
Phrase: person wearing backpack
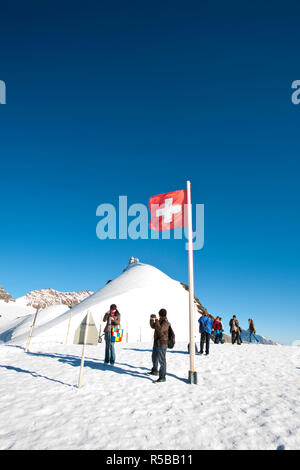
(160,344)
(205,327)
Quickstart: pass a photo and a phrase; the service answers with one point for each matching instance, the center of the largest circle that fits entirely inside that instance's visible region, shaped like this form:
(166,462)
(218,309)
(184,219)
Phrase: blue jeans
(250,338)
(161,354)
(110,354)
(154,359)
(217,336)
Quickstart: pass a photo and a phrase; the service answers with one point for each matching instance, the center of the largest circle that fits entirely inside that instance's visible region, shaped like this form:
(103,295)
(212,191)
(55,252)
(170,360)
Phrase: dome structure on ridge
(138,292)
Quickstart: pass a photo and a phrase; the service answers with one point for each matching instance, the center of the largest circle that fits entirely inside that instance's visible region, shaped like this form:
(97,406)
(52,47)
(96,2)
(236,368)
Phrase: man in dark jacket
(160,344)
(235,330)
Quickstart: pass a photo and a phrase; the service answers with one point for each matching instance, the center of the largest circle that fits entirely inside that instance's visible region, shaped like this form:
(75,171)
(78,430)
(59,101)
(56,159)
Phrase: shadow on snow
(96,364)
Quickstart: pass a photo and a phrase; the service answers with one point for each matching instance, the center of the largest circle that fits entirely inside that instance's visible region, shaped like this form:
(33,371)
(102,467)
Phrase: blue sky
(134,98)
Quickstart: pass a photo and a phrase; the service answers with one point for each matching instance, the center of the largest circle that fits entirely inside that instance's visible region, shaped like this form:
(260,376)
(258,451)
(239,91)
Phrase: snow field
(247,397)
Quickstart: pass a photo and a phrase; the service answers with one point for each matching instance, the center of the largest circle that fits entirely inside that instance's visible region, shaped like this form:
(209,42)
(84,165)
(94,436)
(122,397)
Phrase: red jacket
(216,325)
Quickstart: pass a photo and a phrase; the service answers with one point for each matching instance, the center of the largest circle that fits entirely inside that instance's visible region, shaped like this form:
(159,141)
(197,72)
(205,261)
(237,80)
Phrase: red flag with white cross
(168,210)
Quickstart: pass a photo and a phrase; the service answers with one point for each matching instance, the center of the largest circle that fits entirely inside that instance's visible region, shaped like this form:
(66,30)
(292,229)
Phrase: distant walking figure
(235,330)
(160,344)
(112,319)
(217,330)
(205,327)
(221,331)
(252,330)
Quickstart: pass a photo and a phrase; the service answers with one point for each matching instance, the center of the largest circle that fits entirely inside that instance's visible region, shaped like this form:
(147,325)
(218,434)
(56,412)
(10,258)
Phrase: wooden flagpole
(31,330)
(192,372)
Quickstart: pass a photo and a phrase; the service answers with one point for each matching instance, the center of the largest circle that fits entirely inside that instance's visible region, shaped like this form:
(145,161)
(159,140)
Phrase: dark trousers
(110,355)
(217,336)
(205,338)
(159,357)
(161,353)
(154,359)
(235,337)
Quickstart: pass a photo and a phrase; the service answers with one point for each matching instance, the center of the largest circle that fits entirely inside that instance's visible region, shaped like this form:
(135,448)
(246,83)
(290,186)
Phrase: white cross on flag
(168,210)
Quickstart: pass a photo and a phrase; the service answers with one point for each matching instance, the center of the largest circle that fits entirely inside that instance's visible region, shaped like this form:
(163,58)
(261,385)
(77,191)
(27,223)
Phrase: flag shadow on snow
(100,366)
(75,361)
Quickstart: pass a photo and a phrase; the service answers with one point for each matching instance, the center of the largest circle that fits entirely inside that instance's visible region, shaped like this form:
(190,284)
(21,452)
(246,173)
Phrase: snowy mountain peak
(5,295)
(42,298)
(245,336)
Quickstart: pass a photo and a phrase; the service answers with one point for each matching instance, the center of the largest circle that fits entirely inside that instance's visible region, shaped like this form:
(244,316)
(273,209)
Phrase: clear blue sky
(133,98)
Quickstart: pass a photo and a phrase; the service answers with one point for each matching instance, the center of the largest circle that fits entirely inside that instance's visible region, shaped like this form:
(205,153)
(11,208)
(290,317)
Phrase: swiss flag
(168,210)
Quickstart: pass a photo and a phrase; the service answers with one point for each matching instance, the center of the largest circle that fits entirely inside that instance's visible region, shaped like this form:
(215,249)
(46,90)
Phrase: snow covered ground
(247,397)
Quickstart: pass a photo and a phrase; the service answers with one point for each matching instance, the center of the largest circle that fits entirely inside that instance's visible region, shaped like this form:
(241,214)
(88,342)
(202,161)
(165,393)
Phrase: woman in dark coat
(112,318)
(252,330)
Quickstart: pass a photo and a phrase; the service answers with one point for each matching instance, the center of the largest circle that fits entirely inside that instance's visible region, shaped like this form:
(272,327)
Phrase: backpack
(171,338)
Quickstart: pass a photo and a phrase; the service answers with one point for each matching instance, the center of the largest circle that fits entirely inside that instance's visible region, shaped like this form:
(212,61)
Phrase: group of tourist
(208,327)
